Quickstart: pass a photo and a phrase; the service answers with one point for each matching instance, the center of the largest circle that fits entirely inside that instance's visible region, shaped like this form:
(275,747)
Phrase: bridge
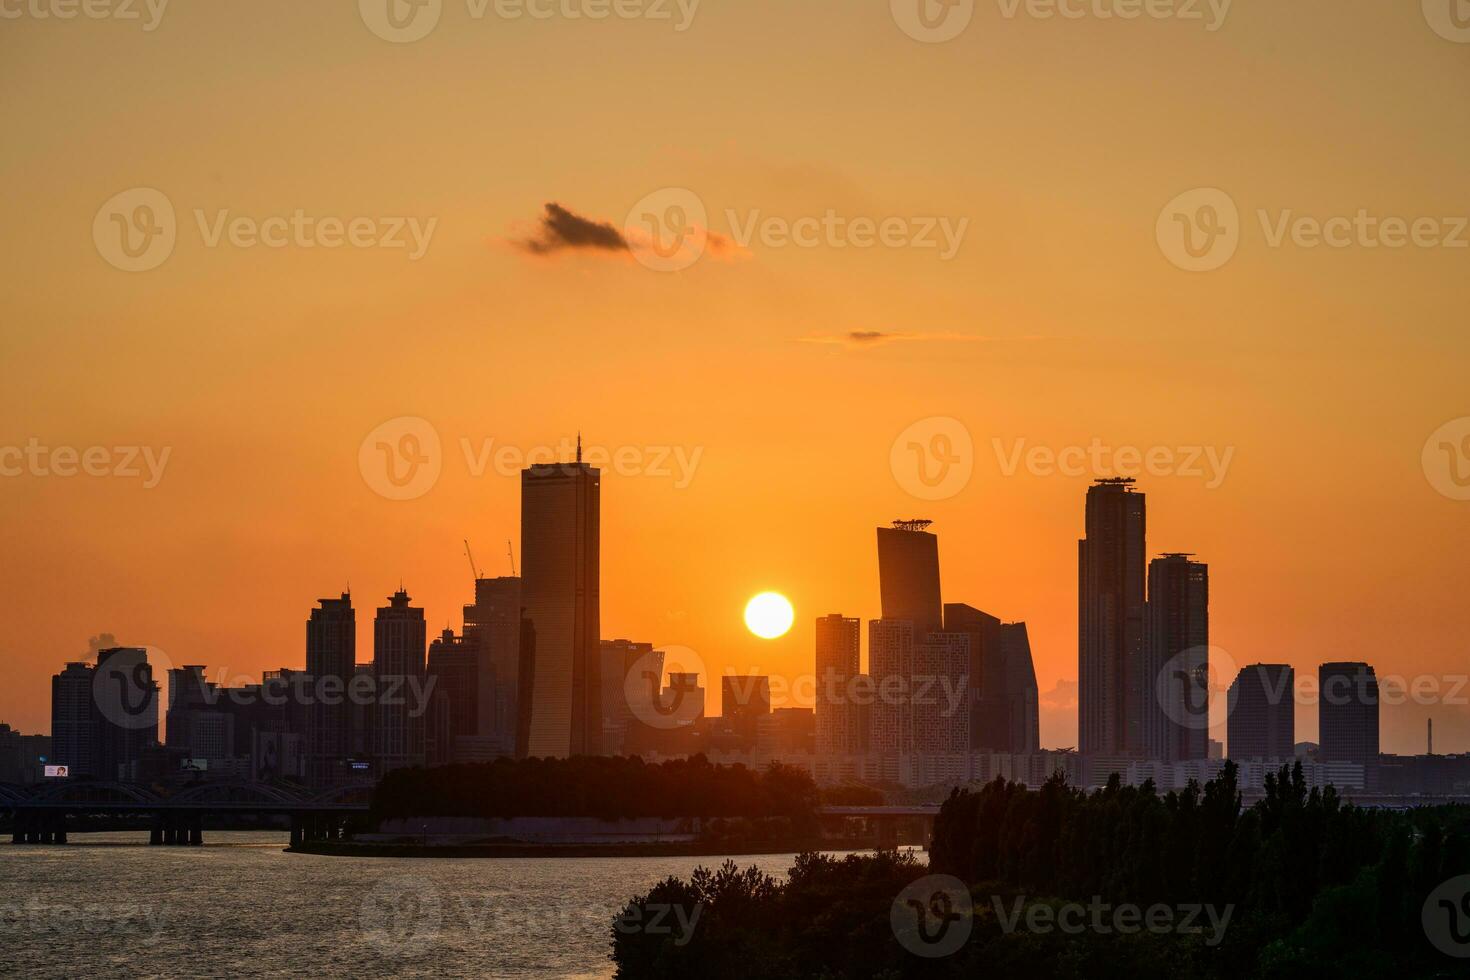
(892,825)
(39,813)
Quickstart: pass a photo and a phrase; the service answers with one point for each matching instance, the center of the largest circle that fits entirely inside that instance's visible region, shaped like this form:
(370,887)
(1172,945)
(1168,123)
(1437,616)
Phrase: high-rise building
(453,669)
(1003,700)
(619,658)
(399,670)
(560,512)
(1113,689)
(922,689)
(493,625)
(201,729)
(1176,649)
(1347,716)
(838,714)
(908,576)
(126,698)
(74,721)
(744,701)
(331,660)
(1262,713)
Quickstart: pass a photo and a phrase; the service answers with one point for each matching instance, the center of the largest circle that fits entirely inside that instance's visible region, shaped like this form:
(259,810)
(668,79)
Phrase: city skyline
(909,553)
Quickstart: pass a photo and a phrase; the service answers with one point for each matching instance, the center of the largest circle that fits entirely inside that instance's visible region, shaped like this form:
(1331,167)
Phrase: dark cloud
(561,230)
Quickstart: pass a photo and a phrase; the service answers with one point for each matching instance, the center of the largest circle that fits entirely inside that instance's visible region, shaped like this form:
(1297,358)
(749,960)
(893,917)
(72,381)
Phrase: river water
(109,905)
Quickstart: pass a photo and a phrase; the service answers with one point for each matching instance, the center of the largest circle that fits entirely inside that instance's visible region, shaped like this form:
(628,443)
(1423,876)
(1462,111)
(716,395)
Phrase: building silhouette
(1262,713)
(127,700)
(453,669)
(1003,701)
(560,507)
(908,576)
(492,624)
(1347,716)
(399,671)
(331,661)
(1176,659)
(745,699)
(619,659)
(1113,689)
(839,716)
(921,687)
(75,720)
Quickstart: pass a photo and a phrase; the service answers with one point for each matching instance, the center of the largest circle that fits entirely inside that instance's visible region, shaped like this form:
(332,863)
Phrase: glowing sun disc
(769,615)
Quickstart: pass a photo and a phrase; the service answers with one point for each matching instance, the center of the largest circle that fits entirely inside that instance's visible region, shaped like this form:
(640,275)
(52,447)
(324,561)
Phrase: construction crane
(510,552)
(471,555)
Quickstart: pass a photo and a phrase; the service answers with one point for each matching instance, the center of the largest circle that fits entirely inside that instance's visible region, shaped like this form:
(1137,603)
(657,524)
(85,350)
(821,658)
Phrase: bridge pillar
(155,835)
(296,834)
(196,830)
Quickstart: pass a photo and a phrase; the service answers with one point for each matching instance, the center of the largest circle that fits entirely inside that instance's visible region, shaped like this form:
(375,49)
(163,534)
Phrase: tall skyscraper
(74,720)
(493,626)
(839,662)
(1262,717)
(922,688)
(560,512)
(744,701)
(399,637)
(127,701)
(1176,659)
(908,575)
(1113,687)
(454,666)
(1003,700)
(1347,716)
(619,658)
(331,659)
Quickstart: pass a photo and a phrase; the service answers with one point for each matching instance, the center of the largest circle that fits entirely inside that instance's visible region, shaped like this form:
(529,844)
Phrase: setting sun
(769,615)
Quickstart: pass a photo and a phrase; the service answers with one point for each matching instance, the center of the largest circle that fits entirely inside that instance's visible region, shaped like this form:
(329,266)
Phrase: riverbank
(524,849)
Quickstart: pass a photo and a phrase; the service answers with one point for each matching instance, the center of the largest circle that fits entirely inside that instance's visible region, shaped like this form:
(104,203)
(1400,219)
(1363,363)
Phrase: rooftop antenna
(511,552)
(579,445)
(471,555)
(917,524)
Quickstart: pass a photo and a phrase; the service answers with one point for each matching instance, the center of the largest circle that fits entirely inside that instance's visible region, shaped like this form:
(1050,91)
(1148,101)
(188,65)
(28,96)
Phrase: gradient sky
(1060,320)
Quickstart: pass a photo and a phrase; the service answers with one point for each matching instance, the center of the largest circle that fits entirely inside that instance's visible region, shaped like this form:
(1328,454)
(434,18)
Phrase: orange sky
(1060,320)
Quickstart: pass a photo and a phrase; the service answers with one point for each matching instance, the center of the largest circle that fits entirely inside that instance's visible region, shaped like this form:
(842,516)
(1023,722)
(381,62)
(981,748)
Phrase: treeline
(1315,889)
(609,788)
